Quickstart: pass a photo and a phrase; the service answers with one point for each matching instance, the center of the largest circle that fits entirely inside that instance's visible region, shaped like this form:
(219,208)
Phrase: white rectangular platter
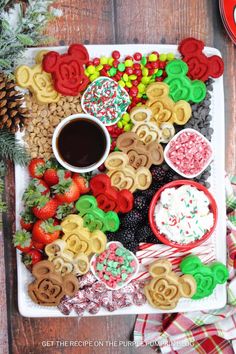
(218,299)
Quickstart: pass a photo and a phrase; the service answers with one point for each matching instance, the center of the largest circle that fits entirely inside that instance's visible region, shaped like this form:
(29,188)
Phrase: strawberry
(64,209)
(22,240)
(27,219)
(31,257)
(36,193)
(81,182)
(51,176)
(66,191)
(38,245)
(46,231)
(45,211)
(36,168)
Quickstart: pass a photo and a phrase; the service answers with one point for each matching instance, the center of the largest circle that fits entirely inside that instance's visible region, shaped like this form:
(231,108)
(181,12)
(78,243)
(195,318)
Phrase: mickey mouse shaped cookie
(181,87)
(108,197)
(67,69)
(79,239)
(206,276)
(124,176)
(200,66)
(166,288)
(140,154)
(49,287)
(37,81)
(94,218)
(64,261)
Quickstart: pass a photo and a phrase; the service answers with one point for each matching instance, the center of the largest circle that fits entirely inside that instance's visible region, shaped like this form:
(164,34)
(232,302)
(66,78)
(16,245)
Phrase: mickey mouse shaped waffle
(166,287)
(49,287)
(140,154)
(124,176)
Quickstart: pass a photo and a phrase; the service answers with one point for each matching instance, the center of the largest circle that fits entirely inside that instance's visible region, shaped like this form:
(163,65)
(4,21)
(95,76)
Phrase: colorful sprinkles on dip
(116,266)
(106,100)
(183,215)
(188,153)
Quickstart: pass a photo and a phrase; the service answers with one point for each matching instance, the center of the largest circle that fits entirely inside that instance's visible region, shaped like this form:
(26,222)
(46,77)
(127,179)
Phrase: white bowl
(169,162)
(132,276)
(88,88)
(75,168)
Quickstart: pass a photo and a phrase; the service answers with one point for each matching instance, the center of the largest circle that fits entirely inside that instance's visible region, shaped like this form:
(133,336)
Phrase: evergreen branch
(19,29)
(11,149)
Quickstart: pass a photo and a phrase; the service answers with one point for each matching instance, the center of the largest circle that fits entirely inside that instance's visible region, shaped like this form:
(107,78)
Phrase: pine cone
(13,116)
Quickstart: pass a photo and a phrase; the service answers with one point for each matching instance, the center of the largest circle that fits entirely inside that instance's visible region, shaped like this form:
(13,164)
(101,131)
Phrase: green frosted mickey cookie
(95,218)
(181,87)
(206,276)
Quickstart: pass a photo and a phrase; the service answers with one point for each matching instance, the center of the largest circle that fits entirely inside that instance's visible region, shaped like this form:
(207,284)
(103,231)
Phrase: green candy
(144,60)
(119,251)
(124,276)
(106,277)
(130,270)
(99,266)
(115,264)
(159,73)
(206,276)
(121,67)
(112,71)
(95,218)
(181,87)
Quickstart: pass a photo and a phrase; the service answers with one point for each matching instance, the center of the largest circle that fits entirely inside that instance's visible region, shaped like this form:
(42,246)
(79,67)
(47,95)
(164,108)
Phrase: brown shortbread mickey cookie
(140,154)
(49,287)
(124,176)
(166,288)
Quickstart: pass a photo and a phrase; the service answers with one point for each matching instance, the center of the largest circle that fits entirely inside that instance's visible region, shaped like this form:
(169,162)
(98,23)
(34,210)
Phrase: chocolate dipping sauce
(81,142)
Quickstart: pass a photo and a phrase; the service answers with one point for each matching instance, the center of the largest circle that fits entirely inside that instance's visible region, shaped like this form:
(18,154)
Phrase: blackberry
(125,234)
(131,243)
(152,239)
(143,233)
(158,173)
(140,203)
(112,236)
(131,220)
(148,194)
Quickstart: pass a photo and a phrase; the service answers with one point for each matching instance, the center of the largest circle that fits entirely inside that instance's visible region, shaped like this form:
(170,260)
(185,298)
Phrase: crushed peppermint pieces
(106,100)
(183,215)
(189,153)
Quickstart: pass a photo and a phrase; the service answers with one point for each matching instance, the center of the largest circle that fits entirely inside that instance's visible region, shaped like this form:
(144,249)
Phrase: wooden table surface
(106,22)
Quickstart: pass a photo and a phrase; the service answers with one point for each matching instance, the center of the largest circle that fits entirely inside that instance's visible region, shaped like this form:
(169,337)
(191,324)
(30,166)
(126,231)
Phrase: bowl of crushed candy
(102,267)
(183,214)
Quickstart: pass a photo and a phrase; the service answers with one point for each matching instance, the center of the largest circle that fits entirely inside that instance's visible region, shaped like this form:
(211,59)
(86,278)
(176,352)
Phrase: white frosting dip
(182,214)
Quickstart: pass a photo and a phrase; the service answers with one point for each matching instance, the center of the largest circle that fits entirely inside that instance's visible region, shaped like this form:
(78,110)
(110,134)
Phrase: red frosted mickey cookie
(108,197)
(200,66)
(67,69)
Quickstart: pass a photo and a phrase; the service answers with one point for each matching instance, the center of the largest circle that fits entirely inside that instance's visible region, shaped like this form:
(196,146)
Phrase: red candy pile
(93,295)
(189,153)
